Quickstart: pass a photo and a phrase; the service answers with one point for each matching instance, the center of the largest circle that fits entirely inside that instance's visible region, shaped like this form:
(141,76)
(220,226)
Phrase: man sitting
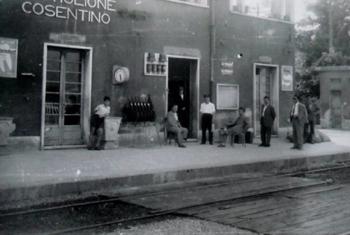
(237,128)
(173,126)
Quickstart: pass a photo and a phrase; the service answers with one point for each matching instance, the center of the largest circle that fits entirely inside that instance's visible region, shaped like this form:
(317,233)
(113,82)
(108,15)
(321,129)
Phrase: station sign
(91,11)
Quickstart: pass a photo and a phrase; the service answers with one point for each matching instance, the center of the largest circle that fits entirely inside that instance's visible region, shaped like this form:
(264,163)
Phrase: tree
(313,35)
(328,31)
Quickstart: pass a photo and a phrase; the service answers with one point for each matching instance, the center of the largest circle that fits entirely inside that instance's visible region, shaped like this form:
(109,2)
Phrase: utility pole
(331,29)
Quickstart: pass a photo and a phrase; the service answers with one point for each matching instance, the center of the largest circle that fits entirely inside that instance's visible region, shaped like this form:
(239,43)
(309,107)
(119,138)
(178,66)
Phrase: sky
(300,9)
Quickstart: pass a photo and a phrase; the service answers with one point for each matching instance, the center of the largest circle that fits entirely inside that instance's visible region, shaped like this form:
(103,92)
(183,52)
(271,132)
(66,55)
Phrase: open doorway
(183,90)
(266,83)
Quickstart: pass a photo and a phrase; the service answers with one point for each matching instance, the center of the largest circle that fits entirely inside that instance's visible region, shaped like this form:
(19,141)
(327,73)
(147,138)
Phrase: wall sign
(287,78)
(8,57)
(226,68)
(265,59)
(92,11)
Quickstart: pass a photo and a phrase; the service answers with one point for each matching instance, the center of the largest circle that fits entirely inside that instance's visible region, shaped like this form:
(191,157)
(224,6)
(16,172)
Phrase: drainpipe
(212,46)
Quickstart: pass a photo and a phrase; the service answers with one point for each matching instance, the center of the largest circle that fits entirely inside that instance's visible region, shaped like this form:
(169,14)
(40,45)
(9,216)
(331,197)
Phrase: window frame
(206,5)
(231,6)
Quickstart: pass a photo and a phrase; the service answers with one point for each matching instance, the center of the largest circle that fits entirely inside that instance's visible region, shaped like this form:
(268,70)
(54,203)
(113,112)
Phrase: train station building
(59,58)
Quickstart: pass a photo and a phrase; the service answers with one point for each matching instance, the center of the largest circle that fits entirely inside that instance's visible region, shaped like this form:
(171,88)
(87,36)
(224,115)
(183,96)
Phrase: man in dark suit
(298,117)
(268,116)
(182,102)
(312,110)
(173,125)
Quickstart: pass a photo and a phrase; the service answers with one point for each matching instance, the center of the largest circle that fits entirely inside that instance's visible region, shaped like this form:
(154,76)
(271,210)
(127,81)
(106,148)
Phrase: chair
(168,136)
(241,137)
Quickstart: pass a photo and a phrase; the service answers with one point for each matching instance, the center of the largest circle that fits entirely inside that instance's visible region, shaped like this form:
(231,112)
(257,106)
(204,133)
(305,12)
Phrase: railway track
(119,198)
(152,214)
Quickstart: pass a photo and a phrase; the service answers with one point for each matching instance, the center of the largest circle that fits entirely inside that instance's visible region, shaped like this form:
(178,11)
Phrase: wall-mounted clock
(120,74)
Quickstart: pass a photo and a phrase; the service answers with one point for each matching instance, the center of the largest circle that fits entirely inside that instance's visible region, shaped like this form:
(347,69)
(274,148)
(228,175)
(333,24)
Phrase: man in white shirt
(97,124)
(207,110)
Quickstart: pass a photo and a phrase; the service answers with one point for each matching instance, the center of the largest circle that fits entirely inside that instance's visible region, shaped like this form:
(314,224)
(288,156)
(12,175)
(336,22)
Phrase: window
(202,3)
(227,96)
(277,9)
(261,8)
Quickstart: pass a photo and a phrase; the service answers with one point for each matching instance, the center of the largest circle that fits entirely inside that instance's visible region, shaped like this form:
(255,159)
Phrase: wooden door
(63,97)
(193,93)
(262,84)
(336,109)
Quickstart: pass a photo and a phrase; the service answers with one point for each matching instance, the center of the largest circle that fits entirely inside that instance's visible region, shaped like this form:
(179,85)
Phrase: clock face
(119,76)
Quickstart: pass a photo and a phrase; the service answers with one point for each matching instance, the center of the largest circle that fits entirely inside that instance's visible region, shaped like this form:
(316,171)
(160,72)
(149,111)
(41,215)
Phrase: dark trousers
(265,134)
(311,133)
(207,120)
(306,132)
(180,132)
(96,133)
(298,133)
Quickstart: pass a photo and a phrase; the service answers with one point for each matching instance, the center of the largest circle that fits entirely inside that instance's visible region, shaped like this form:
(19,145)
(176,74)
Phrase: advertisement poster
(287,78)
(227,96)
(8,57)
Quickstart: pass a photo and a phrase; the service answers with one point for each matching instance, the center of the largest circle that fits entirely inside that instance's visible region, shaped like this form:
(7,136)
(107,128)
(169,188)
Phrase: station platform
(33,177)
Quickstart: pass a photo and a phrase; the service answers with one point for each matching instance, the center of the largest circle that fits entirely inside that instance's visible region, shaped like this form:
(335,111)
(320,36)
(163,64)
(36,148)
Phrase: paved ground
(57,166)
(338,136)
(181,226)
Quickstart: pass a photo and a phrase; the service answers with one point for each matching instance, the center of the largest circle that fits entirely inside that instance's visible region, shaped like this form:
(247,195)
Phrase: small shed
(334,96)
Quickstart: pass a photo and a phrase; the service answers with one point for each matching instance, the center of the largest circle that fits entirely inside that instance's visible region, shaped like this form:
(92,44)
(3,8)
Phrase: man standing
(268,116)
(305,101)
(173,125)
(298,117)
(207,110)
(312,113)
(181,101)
(97,124)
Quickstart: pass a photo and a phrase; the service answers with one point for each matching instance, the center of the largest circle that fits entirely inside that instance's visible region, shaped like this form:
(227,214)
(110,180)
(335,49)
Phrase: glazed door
(63,97)
(264,86)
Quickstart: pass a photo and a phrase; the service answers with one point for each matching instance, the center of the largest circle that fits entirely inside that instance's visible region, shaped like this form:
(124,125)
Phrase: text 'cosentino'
(92,11)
